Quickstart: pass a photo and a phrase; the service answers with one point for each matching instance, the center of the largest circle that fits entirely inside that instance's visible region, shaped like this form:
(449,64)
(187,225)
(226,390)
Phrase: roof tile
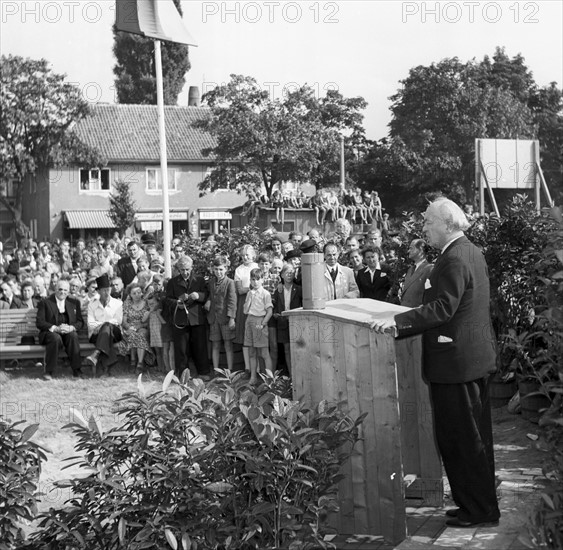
(125,133)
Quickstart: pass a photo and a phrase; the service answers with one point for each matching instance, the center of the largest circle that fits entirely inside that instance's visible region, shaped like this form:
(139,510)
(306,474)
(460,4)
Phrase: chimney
(193,96)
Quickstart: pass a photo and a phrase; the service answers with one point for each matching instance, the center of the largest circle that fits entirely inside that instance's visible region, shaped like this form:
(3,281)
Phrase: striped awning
(88,219)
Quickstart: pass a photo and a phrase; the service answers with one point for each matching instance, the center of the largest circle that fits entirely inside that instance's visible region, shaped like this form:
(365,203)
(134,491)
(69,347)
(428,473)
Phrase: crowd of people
(116,289)
(329,205)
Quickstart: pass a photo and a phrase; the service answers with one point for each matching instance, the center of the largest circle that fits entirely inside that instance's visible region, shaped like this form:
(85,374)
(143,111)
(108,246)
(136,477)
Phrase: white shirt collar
(447,245)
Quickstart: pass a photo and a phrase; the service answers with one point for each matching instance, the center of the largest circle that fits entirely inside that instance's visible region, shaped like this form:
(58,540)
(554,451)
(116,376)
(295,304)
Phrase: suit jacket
(279,305)
(223,298)
(178,286)
(376,289)
(345,284)
(413,287)
(16,303)
(47,312)
(126,270)
(459,342)
(35,300)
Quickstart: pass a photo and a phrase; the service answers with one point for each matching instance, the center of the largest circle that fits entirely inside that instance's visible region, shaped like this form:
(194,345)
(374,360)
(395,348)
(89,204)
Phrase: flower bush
(514,246)
(546,520)
(20,465)
(216,466)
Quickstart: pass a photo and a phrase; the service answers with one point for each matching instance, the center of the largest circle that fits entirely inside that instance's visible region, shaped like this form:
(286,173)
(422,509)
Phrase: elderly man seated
(59,319)
(105,315)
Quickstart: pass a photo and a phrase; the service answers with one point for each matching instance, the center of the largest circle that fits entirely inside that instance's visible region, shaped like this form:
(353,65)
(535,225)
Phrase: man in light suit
(459,357)
(339,280)
(59,319)
(417,275)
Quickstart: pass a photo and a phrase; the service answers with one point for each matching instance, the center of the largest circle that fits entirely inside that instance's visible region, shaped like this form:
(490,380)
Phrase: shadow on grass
(33,370)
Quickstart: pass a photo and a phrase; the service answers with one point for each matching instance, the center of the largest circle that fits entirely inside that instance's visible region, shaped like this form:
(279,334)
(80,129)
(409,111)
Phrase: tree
(135,81)
(122,207)
(38,111)
(442,108)
(263,142)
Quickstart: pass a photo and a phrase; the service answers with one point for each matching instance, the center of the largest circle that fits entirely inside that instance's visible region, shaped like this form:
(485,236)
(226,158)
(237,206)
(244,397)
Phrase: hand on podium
(384,325)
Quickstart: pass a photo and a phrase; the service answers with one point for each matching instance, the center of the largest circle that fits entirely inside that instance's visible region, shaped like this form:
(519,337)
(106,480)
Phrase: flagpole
(163,159)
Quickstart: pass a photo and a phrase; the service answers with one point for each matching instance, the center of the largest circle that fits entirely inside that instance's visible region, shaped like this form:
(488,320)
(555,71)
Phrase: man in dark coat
(417,275)
(459,357)
(7,295)
(59,319)
(186,295)
(126,267)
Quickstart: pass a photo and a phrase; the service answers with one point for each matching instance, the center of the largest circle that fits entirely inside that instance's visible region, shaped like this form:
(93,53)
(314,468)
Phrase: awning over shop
(88,219)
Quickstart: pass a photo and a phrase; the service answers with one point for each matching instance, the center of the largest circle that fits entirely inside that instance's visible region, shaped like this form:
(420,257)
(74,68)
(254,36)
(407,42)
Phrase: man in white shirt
(105,315)
(339,280)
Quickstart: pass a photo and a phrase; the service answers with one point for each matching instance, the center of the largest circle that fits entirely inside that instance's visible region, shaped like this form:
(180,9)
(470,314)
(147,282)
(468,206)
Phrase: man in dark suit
(59,319)
(417,275)
(186,295)
(373,281)
(8,296)
(459,357)
(126,267)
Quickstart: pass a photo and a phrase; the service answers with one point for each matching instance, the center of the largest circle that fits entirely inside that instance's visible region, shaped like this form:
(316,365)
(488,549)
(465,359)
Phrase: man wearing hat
(105,315)
(308,246)
(293,257)
(59,319)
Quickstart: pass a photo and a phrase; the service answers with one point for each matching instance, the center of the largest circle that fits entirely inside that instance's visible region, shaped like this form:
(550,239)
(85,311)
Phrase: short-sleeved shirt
(242,273)
(257,302)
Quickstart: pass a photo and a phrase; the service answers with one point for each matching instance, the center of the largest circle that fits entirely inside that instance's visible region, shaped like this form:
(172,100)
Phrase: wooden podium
(337,357)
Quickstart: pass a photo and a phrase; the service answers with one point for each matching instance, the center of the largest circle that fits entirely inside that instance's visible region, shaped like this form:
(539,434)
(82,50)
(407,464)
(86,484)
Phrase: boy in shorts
(258,308)
(222,311)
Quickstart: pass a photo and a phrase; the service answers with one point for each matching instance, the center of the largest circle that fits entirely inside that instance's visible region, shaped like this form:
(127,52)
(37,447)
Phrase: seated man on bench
(105,315)
(58,320)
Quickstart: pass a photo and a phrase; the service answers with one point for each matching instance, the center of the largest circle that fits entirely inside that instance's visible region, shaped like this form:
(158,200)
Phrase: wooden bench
(17,323)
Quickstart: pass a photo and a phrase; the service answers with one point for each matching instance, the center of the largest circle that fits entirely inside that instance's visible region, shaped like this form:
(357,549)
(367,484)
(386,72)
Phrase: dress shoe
(47,376)
(92,360)
(452,512)
(456,522)
(77,374)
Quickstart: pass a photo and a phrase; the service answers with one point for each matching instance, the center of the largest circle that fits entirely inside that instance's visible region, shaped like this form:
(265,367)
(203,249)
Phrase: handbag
(180,305)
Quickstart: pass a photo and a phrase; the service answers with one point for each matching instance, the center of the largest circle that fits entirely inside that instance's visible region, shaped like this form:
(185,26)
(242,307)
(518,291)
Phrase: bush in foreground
(20,465)
(217,466)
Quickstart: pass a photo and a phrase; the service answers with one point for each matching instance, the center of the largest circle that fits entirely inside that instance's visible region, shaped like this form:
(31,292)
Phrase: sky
(363,48)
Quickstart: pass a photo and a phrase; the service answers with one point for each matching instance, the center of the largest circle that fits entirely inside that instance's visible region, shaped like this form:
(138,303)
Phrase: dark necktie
(333,273)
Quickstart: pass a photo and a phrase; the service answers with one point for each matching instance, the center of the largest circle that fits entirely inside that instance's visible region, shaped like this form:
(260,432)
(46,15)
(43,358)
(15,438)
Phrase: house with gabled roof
(73,201)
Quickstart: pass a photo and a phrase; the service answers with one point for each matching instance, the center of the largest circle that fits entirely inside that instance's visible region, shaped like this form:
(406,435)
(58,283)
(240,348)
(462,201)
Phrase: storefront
(152,222)
(213,222)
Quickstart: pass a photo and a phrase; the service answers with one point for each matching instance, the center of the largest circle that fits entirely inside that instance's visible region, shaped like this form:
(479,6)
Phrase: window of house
(225,177)
(94,179)
(8,188)
(154,179)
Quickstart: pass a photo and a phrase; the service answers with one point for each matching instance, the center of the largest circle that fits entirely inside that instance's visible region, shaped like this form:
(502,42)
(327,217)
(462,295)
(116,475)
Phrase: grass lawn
(24,395)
